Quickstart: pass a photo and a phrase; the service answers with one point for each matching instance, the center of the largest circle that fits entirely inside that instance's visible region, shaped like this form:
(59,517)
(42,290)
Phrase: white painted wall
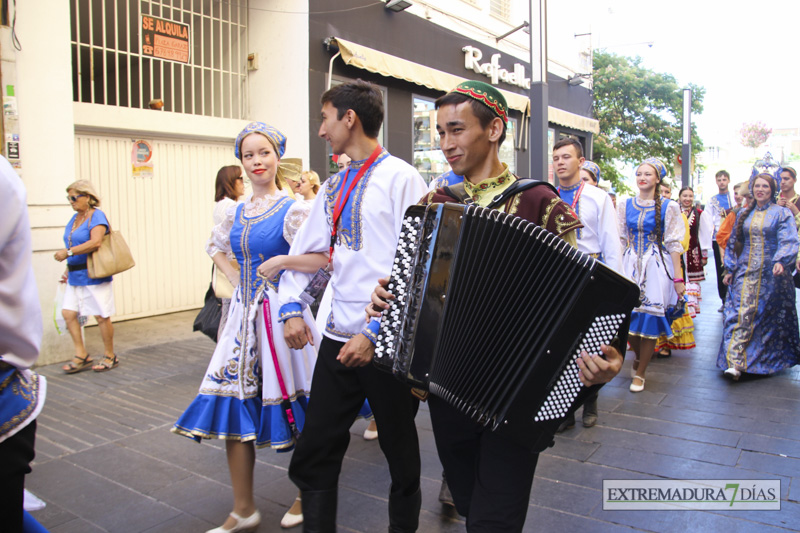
(567,54)
(54,130)
(279,88)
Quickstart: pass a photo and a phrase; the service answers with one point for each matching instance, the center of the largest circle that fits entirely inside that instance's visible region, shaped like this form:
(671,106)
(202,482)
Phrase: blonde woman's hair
(313,178)
(85,187)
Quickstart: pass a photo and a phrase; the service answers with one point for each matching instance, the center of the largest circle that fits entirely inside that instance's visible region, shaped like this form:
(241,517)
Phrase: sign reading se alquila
(164,39)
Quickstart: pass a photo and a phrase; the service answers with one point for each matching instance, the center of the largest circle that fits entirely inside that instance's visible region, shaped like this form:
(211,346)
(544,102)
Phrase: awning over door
(391,66)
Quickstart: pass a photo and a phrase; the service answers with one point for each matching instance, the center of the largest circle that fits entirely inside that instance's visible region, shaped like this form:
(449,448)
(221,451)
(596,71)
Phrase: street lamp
(686,151)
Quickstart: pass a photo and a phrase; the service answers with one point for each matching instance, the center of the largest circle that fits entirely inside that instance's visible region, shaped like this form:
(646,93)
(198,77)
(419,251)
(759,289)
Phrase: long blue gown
(760,330)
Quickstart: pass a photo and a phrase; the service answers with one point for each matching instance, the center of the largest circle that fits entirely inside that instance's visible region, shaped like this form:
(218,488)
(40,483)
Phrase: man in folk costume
(490,477)
(719,206)
(357,220)
(599,236)
(788,198)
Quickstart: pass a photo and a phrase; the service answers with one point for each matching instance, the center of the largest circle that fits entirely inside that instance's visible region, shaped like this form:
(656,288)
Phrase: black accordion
(491,312)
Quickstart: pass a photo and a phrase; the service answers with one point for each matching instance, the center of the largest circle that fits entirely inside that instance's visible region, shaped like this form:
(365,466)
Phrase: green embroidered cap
(486,94)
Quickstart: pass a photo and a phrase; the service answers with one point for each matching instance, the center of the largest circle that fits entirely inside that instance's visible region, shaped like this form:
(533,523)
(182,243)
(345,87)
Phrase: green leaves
(640,114)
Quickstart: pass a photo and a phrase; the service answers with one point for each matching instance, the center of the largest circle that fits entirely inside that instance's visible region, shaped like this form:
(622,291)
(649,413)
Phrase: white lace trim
(220,241)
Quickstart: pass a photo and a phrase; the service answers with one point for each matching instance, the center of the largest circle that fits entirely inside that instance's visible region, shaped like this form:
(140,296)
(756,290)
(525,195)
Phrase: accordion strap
(459,193)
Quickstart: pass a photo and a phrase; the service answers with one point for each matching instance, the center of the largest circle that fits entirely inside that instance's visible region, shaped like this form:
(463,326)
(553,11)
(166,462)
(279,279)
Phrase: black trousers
(337,394)
(16,453)
(489,476)
(722,289)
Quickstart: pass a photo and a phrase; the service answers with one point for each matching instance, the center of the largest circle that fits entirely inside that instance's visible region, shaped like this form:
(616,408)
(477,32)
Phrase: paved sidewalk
(106,460)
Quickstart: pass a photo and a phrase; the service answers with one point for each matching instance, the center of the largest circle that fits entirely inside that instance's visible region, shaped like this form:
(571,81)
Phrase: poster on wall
(142,159)
(164,39)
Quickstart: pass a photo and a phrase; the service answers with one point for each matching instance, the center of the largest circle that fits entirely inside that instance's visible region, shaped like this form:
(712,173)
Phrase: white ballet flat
(732,373)
(291,520)
(370,434)
(637,388)
(242,524)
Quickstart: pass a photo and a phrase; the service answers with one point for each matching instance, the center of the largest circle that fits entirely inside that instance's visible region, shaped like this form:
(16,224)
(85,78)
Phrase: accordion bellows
(491,311)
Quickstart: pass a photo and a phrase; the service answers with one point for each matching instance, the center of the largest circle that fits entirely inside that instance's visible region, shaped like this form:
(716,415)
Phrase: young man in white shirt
(599,236)
(357,217)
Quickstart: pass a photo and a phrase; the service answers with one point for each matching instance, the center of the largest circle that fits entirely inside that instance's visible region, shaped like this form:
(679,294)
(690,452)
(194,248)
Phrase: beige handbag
(111,258)
(223,287)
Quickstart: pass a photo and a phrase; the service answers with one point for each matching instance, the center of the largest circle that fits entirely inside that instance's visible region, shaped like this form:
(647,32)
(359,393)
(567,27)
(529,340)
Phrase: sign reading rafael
(164,39)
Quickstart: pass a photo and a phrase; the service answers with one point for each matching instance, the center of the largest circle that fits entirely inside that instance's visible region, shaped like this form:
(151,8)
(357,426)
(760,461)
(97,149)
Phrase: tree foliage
(640,114)
(755,134)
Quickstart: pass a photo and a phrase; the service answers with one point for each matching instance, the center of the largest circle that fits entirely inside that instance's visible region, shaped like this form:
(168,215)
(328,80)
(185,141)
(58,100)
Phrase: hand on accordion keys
(379,299)
(595,370)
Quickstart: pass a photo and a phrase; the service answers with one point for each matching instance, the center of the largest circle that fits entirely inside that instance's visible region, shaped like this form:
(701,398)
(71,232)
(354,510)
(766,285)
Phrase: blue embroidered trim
(330,327)
(371,331)
(349,233)
(290,310)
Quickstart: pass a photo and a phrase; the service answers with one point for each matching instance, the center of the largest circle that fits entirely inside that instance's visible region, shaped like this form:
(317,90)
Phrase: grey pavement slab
(107,462)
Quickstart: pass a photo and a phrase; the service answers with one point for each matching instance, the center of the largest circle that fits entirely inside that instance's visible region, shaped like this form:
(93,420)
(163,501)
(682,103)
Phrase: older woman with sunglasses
(84,295)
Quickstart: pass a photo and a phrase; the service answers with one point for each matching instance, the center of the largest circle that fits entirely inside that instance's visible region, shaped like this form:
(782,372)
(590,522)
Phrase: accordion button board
(491,313)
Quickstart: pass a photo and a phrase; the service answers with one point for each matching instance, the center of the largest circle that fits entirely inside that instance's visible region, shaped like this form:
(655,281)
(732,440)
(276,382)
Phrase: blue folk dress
(240,395)
(650,268)
(760,330)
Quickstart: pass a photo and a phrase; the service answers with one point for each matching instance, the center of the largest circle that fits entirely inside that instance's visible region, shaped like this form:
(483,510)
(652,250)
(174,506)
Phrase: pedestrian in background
(720,206)
(651,230)
(696,256)
(309,185)
(788,197)
(86,296)
(760,329)
(229,188)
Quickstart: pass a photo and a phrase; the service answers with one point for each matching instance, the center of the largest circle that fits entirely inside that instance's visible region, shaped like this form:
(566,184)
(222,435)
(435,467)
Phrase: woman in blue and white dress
(646,222)
(241,394)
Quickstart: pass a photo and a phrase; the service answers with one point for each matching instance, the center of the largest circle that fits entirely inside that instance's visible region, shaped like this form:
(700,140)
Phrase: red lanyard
(577,196)
(342,200)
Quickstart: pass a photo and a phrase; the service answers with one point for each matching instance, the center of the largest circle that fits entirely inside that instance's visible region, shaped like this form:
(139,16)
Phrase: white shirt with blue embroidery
(366,241)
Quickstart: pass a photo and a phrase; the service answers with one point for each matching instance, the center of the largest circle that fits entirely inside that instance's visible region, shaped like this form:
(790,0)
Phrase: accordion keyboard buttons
(564,393)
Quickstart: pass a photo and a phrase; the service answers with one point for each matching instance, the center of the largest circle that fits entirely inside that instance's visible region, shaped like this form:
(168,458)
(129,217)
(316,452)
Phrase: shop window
(428,158)
(500,9)
(508,153)
(116,61)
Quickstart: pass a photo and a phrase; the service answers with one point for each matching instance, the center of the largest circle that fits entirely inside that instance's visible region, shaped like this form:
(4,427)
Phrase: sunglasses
(75,198)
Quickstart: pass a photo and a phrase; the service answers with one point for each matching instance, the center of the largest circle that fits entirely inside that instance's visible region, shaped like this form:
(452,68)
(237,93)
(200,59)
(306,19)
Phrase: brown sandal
(106,364)
(72,368)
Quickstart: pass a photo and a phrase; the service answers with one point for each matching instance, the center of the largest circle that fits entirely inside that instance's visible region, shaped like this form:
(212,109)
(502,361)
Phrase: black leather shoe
(568,423)
(404,512)
(590,412)
(444,494)
(319,511)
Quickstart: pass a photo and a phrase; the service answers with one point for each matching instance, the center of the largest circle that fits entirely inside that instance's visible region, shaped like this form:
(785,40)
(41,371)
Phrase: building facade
(145,97)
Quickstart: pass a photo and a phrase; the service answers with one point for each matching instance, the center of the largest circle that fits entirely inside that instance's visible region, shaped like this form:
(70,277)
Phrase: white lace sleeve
(297,214)
(220,239)
(674,229)
(622,225)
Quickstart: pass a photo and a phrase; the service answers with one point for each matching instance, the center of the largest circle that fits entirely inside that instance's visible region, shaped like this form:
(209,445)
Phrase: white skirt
(90,300)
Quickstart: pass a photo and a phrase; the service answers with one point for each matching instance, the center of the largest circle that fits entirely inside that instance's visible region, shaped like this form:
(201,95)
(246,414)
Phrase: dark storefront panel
(407,134)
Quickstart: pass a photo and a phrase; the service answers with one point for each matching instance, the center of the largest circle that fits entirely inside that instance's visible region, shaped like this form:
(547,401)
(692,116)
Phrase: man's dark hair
(363,98)
(484,114)
(569,141)
(722,173)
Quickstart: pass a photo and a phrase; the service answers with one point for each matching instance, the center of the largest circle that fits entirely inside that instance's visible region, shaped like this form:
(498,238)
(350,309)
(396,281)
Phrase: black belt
(77,266)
